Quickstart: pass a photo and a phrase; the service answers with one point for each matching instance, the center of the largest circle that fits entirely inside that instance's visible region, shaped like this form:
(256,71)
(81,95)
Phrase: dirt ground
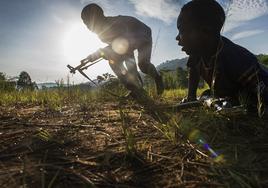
(85,147)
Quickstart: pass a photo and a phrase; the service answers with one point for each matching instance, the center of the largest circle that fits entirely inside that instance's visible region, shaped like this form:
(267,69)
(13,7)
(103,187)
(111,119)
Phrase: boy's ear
(204,29)
(207,30)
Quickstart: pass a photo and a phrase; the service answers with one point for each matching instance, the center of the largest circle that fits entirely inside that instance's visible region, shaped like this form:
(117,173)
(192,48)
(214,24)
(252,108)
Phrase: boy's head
(198,22)
(92,15)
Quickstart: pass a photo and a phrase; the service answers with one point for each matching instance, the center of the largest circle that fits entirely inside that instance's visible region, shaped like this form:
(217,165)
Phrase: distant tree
(60,83)
(100,78)
(105,77)
(34,85)
(5,84)
(2,76)
(169,79)
(108,76)
(182,77)
(263,59)
(44,87)
(2,80)
(25,81)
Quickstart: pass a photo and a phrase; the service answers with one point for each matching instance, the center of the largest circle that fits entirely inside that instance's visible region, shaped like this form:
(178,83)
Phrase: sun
(79,42)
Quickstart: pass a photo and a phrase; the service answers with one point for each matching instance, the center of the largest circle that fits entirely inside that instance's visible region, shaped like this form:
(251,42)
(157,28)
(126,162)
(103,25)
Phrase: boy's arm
(245,71)
(106,53)
(194,77)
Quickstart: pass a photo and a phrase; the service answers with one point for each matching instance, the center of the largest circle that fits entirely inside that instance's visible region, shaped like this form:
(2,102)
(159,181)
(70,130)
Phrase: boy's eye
(182,30)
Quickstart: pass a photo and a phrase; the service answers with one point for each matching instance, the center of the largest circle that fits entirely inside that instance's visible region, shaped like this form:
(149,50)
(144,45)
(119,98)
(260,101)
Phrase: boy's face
(89,25)
(93,25)
(190,36)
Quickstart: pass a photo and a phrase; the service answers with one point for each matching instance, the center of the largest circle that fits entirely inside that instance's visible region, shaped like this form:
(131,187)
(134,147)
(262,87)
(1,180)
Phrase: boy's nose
(178,38)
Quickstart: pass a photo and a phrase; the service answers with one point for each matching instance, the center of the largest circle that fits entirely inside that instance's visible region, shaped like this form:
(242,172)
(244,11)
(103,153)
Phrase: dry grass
(83,139)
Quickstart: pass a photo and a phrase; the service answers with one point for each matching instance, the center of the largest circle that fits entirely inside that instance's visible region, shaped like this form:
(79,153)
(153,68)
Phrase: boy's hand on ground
(188,99)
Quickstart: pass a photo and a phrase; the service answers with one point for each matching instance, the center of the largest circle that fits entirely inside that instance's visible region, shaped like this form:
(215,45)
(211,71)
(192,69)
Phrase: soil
(85,146)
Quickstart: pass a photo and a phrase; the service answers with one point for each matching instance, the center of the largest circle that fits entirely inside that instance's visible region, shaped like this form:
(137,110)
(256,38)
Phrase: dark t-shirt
(136,32)
(237,70)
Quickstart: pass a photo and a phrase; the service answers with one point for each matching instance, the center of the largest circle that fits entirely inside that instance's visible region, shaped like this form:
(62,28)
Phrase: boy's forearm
(96,55)
(193,82)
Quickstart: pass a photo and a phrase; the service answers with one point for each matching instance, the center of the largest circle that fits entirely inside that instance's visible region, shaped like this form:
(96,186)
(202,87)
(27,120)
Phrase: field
(74,138)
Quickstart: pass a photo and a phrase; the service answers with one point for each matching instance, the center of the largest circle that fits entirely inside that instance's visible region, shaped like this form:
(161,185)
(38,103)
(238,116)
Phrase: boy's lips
(185,50)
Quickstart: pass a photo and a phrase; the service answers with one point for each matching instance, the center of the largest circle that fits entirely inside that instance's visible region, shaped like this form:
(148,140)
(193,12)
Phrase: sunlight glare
(120,45)
(79,42)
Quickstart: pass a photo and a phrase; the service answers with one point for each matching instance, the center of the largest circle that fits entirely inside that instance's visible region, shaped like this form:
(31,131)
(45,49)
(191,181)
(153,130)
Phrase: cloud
(244,34)
(240,11)
(165,10)
(105,4)
(102,2)
(109,7)
(57,19)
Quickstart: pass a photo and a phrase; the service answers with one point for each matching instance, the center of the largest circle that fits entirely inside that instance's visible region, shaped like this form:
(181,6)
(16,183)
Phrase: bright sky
(43,36)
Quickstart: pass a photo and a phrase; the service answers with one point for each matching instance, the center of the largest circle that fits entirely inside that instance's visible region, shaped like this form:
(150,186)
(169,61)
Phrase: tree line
(178,78)
(24,82)
(173,79)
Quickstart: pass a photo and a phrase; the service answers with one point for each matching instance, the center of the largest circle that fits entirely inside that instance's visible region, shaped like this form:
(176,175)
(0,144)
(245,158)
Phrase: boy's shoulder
(129,21)
(235,53)
(231,55)
(121,19)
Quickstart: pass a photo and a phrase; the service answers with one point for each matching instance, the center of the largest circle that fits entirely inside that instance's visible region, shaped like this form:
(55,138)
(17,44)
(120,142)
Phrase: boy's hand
(188,99)
(83,61)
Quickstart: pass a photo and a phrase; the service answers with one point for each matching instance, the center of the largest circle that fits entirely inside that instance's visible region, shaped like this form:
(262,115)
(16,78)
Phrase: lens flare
(111,62)
(195,136)
(124,72)
(120,45)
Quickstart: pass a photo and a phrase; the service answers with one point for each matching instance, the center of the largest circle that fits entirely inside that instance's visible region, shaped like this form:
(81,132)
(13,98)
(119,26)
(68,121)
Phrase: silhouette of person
(230,70)
(123,34)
